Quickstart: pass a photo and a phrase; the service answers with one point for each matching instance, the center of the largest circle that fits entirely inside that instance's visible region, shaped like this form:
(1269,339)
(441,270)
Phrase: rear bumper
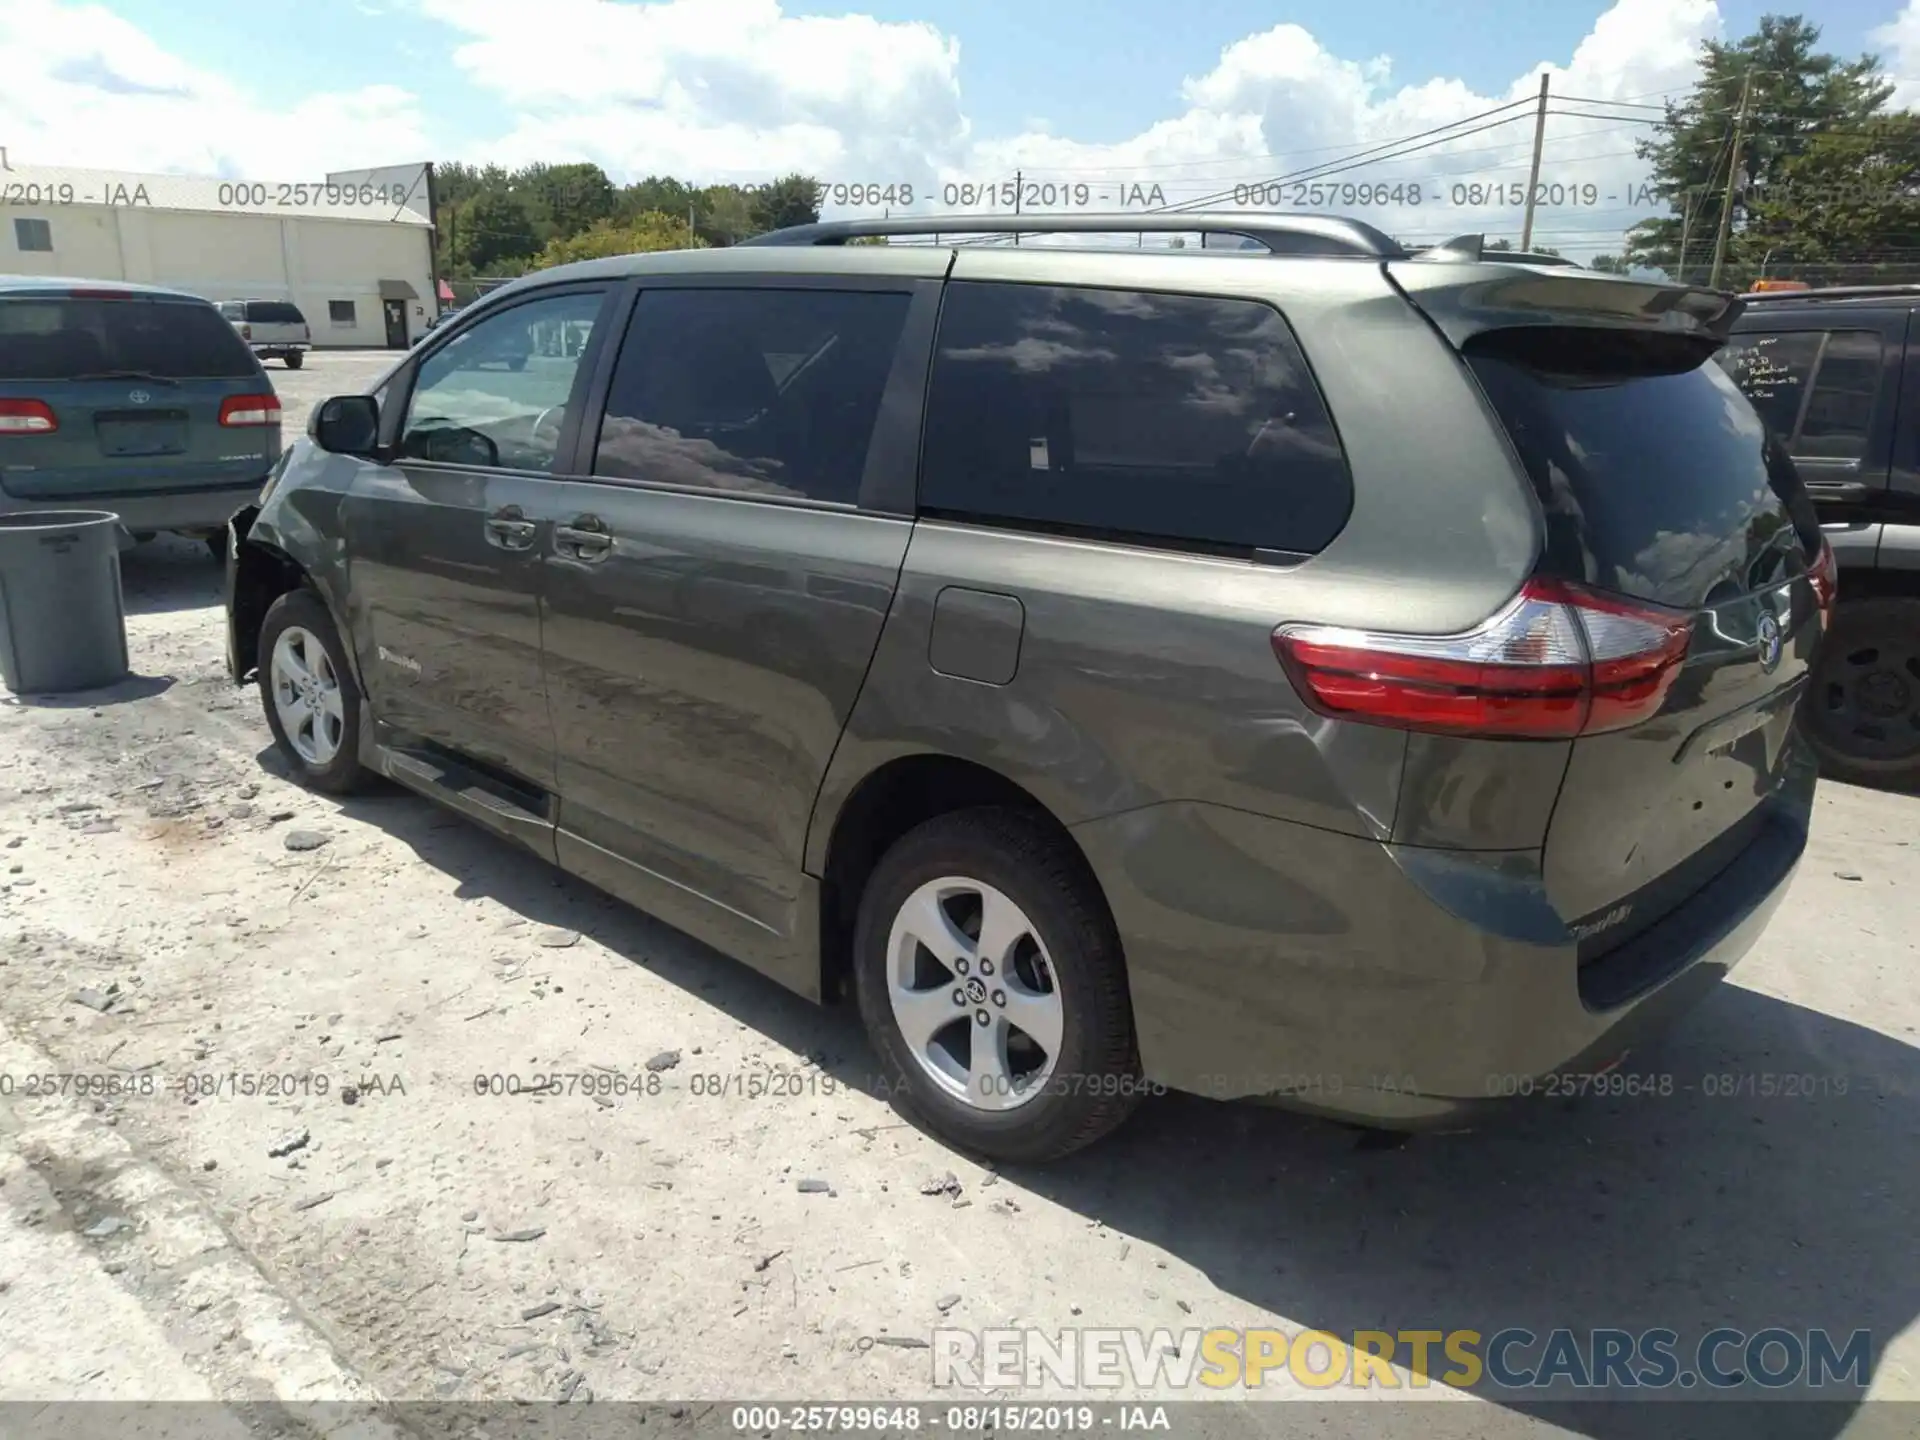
(1400,986)
(190,510)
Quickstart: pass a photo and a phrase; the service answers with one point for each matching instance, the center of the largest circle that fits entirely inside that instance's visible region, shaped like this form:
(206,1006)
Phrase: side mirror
(346,425)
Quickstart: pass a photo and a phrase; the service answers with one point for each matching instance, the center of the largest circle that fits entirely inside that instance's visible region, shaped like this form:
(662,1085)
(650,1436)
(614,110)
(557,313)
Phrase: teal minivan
(128,398)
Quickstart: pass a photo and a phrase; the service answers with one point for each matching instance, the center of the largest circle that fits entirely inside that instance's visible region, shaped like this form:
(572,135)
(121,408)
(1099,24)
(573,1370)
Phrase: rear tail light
(27,417)
(99,295)
(246,332)
(239,410)
(1824,576)
(1557,661)
(305,333)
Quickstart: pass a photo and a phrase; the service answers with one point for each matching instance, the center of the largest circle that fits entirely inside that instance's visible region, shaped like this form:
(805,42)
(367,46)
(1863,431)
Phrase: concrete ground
(284,1173)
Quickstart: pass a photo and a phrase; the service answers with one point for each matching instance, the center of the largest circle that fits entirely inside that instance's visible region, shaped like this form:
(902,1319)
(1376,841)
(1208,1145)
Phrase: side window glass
(1168,416)
(1839,419)
(751,391)
(496,396)
(1772,371)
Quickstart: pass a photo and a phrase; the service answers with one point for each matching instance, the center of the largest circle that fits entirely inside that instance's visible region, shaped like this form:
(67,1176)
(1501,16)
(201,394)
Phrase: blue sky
(1194,95)
(1098,69)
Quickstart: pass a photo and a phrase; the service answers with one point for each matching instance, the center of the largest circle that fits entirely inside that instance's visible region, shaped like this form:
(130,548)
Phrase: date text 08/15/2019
(1036,196)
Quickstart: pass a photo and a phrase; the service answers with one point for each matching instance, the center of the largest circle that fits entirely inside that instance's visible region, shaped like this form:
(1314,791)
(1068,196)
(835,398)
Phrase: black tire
(1096,1077)
(294,362)
(217,544)
(343,774)
(1862,707)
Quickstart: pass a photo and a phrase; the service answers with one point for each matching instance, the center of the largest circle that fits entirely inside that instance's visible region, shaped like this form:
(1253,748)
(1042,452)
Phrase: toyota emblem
(1770,643)
(138,397)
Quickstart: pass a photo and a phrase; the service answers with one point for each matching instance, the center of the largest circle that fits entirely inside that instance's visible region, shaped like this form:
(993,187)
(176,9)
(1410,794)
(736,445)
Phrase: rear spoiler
(1465,296)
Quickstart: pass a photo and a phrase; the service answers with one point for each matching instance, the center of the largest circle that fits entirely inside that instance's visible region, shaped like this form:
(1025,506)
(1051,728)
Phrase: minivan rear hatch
(111,393)
(1659,484)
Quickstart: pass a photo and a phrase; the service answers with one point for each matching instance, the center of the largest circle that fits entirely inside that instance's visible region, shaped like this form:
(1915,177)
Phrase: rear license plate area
(141,433)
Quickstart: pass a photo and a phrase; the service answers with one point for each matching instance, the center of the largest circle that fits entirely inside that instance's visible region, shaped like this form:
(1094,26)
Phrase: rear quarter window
(1136,415)
(274,312)
(48,338)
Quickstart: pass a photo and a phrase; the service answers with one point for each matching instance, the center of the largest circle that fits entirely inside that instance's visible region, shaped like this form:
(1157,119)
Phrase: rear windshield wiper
(147,375)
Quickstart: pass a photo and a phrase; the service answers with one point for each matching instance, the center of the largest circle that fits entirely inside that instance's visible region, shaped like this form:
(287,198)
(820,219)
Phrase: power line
(1364,158)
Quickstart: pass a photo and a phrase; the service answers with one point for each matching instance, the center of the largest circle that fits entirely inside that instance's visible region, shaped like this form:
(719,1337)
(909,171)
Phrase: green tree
(657,194)
(1847,209)
(790,200)
(723,215)
(496,227)
(568,197)
(1610,264)
(1508,245)
(643,234)
(1798,94)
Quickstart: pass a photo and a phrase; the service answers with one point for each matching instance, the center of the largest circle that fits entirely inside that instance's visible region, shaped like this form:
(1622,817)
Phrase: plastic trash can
(63,619)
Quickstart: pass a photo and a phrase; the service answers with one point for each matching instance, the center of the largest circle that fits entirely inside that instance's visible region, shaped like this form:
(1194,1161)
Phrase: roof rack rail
(1834,292)
(1280,234)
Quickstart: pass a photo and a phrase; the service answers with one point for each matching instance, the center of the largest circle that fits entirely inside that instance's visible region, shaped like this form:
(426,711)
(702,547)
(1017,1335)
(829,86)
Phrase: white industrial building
(353,250)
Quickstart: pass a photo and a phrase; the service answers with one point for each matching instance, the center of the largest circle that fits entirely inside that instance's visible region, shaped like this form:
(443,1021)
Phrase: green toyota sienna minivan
(131,399)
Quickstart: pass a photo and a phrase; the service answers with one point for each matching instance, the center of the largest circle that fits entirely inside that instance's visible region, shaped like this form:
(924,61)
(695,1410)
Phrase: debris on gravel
(314,1200)
(947,1184)
(815,1187)
(665,1060)
(535,1312)
(306,839)
(558,939)
(101,1000)
(516,1237)
(293,1140)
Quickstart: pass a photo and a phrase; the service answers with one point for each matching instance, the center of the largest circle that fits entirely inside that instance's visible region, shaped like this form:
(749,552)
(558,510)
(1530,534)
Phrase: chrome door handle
(586,539)
(509,529)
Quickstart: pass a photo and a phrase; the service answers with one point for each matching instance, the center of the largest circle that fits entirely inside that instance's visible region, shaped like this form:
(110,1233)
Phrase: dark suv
(1837,374)
(1326,675)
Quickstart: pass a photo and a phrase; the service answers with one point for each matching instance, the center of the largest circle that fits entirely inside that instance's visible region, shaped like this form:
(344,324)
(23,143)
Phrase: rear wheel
(295,360)
(1863,702)
(991,984)
(311,700)
(217,544)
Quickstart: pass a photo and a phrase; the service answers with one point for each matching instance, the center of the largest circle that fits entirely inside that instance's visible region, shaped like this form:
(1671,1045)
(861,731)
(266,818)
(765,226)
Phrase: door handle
(509,529)
(586,539)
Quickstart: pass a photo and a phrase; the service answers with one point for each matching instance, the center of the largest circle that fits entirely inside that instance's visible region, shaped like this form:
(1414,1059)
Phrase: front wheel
(992,986)
(1862,706)
(312,702)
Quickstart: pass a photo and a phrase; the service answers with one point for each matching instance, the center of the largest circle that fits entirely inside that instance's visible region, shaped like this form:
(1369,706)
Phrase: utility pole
(1686,226)
(1733,180)
(1533,173)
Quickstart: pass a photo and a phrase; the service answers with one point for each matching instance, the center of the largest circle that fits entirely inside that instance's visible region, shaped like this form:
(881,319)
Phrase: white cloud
(1899,41)
(86,87)
(719,89)
(740,89)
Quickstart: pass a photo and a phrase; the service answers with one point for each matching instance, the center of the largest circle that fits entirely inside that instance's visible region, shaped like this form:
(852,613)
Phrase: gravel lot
(444,1241)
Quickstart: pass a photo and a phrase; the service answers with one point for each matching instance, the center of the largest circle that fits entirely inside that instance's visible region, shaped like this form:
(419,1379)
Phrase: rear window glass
(1166,417)
(274,312)
(56,339)
(1657,476)
(1815,388)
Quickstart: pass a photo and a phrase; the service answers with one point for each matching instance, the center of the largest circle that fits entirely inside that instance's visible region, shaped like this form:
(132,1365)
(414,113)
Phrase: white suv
(274,328)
